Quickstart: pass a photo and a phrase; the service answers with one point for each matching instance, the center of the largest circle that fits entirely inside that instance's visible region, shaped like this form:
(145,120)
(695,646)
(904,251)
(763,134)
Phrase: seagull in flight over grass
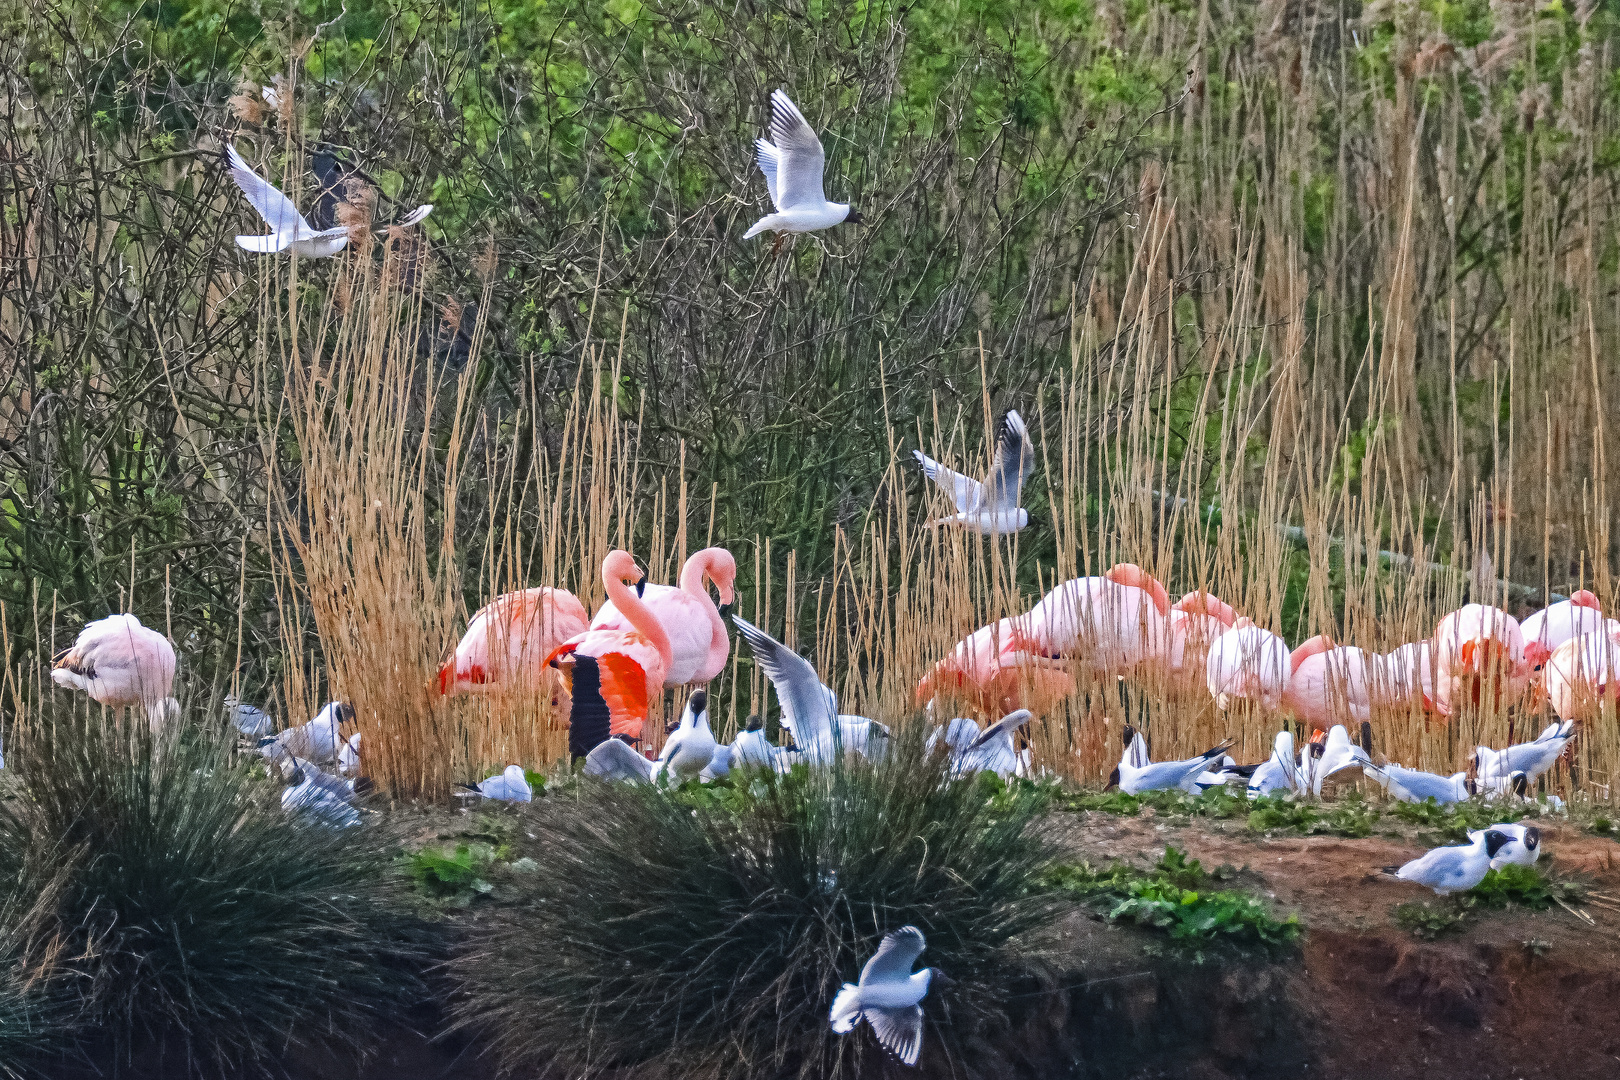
(793,162)
(991,506)
(889,995)
(290,230)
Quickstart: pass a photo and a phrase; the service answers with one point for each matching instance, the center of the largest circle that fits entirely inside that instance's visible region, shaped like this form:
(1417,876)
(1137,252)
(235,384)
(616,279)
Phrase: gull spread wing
(1005,726)
(616,759)
(966,492)
(1013,463)
(416,216)
(898,1030)
(277,210)
(808,707)
(895,957)
(799,157)
(767,165)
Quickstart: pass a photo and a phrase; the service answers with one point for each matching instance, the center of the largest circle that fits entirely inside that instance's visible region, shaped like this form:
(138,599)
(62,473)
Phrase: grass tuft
(1350,817)
(194,913)
(705,930)
(1181,900)
(1427,922)
(1455,821)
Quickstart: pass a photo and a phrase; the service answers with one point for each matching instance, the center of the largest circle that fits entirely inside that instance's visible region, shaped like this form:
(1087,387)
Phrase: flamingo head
(1586,599)
(1134,576)
(720,567)
(621,566)
(1321,643)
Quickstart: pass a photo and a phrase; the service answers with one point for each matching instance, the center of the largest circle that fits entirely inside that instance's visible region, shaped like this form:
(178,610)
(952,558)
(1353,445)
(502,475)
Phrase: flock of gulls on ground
(604,670)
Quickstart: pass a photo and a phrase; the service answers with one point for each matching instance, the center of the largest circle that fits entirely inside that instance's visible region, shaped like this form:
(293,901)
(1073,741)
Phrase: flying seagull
(793,161)
(290,230)
(991,506)
(889,995)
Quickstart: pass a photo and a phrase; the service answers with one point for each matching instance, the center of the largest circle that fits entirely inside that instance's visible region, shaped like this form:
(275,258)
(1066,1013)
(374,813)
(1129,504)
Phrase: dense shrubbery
(186,908)
(711,936)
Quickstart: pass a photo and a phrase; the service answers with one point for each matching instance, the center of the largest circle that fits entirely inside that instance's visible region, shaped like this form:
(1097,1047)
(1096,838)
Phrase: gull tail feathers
(846,1009)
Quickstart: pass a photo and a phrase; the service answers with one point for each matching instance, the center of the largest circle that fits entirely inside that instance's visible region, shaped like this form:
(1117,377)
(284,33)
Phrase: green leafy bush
(1351,816)
(1455,821)
(1217,802)
(1181,900)
(455,876)
(705,931)
(1522,886)
(1427,921)
(192,909)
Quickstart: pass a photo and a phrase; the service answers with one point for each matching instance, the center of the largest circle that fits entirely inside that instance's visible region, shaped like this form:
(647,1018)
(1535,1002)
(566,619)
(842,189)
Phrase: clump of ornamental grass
(193,913)
(33,997)
(708,936)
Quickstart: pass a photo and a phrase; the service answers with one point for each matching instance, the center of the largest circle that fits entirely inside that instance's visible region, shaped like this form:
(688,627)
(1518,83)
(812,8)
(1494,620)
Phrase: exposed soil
(1517,995)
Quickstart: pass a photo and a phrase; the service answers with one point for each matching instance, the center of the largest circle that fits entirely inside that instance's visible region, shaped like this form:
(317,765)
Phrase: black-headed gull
(1531,758)
(314,793)
(809,707)
(1136,773)
(1414,785)
(990,506)
(889,995)
(250,720)
(290,230)
(1280,771)
(993,749)
(510,785)
(686,753)
(752,750)
(1453,869)
(318,740)
(1523,845)
(1335,754)
(793,162)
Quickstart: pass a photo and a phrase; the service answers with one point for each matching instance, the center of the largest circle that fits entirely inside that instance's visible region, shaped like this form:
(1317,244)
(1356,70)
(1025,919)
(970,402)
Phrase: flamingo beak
(641,587)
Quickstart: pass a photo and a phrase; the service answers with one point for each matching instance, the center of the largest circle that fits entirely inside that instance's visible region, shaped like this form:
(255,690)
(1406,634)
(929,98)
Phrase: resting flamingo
(699,646)
(1331,684)
(508,640)
(121,664)
(1581,674)
(1407,675)
(1248,663)
(1196,620)
(994,671)
(611,675)
(1113,623)
(1556,623)
(1474,645)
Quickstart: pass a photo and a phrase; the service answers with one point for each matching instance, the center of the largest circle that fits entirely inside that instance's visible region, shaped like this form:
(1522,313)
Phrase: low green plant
(1602,826)
(193,911)
(1181,900)
(1350,816)
(1455,820)
(1523,886)
(455,876)
(1215,802)
(705,932)
(1428,921)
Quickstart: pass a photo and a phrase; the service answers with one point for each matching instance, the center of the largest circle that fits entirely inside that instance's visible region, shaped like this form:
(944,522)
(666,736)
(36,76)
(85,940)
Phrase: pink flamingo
(1581,673)
(1248,663)
(697,633)
(1196,620)
(612,674)
(121,664)
(508,640)
(1408,674)
(993,669)
(1331,684)
(1474,645)
(1557,623)
(1115,622)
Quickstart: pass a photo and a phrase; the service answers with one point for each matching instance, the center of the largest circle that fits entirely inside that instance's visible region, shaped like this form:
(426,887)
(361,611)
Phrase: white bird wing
(895,957)
(616,759)
(277,210)
(800,160)
(416,216)
(266,244)
(898,1030)
(966,492)
(1014,462)
(766,156)
(808,706)
(1005,726)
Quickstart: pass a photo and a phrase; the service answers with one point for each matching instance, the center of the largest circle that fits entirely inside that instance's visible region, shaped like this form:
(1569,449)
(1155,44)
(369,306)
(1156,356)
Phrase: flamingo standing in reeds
(1581,674)
(1331,684)
(121,664)
(1112,623)
(509,639)
(1557,623)
(1248,663)
(699,645)
(995,671)
(1407,675)
(1474,647)
(1195,621)
(612,674)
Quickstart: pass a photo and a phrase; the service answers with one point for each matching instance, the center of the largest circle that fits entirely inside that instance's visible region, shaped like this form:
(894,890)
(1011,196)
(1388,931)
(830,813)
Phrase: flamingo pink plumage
(698,641)
(508,640)
(121,664)
(623,668)
(994,671)
(1195,621)
(1555,624)
(1581,673)
(1113,623)
(1476,646)
(1331,684)
(1248,663)
(1407,674)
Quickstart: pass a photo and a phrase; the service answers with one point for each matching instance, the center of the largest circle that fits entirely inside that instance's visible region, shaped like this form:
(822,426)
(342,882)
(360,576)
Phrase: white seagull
(290,230)
(686,753)
(809,707)
(793,162)
(1523,845)
(889,995)
(316,741)
(1413,785)
(1338,753)
(752,750)
(1531,758)
(1453,869)
(322,797)
(991,506)
(1136,773)
(250,720)
(510,785)
(1280,771)
(993,749)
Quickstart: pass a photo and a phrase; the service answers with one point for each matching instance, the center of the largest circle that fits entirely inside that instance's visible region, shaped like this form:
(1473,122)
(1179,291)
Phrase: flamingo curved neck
(639,615)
